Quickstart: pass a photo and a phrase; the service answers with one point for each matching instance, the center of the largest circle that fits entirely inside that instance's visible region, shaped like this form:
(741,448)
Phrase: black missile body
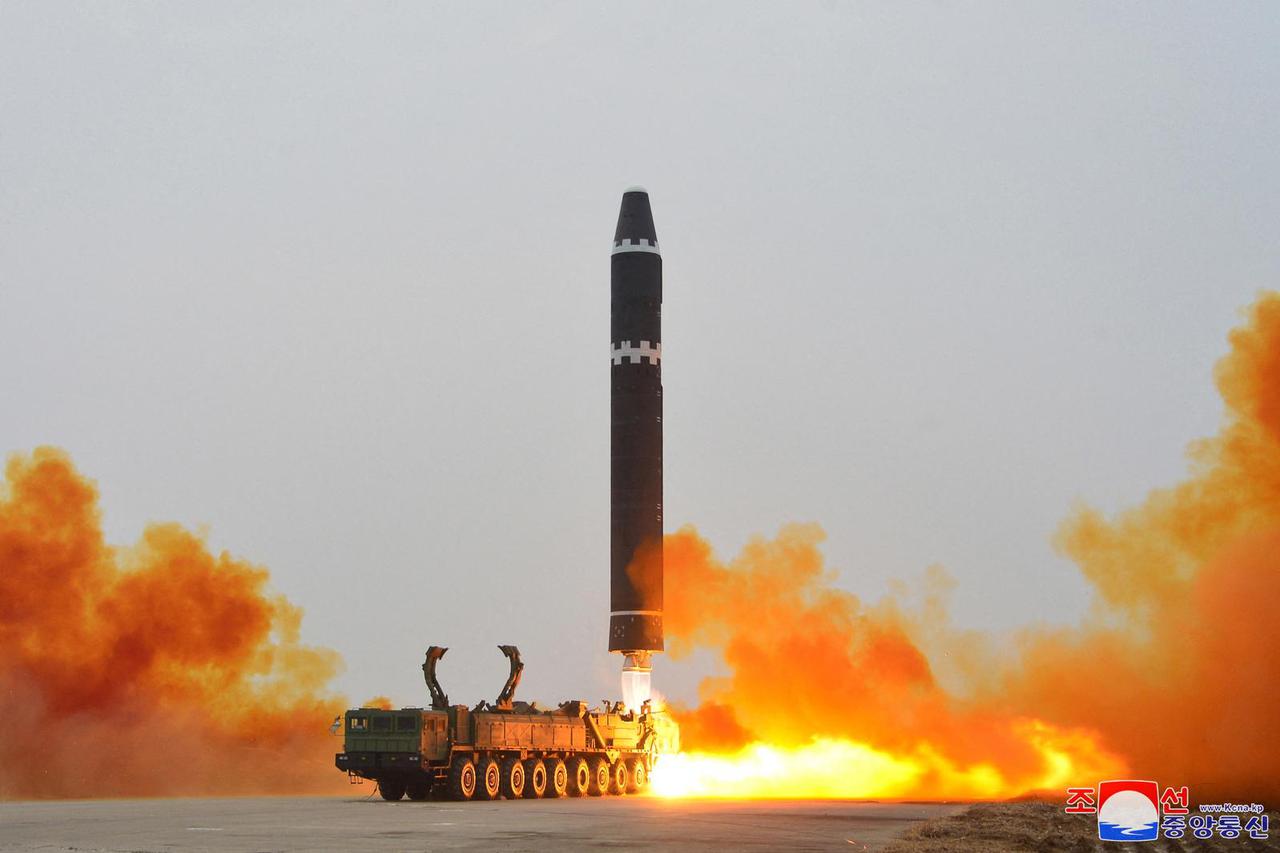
(635,621)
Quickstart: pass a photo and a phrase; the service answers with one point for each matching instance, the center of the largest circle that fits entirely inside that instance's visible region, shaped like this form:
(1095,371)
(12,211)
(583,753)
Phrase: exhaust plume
(160,669)
(163,669)
(827,696)
(1186,597)
(1173,674)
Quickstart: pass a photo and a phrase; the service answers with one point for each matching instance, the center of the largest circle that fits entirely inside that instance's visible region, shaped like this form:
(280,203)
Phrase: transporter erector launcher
(635,621)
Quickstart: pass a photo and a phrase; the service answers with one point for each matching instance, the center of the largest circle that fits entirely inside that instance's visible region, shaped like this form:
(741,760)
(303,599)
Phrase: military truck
(506,749)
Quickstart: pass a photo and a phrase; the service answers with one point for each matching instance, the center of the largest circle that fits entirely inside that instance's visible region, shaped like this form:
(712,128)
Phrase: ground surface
(1036,827)
(353,823)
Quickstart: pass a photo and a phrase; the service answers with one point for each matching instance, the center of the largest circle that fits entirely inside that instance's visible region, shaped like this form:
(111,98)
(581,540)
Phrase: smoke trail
(164,669)
(1174,673)
(160,669)
(1187,592)
(809,662)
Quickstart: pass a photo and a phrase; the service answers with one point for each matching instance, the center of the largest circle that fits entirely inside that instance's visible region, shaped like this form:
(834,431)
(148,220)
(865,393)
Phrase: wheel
(462,779)
(418,789)
(535,778)
(513,778)
(579,776)
(619,778)
(639,776)
(600,776)
(490,779)
(557,778)
(391,789)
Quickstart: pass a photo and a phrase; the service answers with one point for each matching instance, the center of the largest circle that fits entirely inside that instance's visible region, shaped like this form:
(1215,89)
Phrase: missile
(635,602)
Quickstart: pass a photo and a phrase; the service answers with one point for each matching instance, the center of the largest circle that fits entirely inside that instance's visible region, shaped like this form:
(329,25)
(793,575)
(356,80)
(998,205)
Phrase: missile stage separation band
(641,245)
(636,354)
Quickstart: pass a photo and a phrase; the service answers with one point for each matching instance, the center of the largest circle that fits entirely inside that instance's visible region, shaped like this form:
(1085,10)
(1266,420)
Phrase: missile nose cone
(635,220)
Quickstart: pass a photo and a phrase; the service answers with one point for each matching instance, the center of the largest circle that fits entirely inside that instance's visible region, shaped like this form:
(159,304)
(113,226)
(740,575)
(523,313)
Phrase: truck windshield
(405,724)
(359,724)
(382,724)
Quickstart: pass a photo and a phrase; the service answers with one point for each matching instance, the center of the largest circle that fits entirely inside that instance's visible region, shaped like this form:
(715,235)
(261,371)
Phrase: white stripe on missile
(640,245)
(635,354)
(636,613)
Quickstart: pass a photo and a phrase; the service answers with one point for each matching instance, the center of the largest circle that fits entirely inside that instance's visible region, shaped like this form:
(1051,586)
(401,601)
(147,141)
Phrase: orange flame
(827,768)
(164,669)
(157,669)
(828,697)
(1173,675)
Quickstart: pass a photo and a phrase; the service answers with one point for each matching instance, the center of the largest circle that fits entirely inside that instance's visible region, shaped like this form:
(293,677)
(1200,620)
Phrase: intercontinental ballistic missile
(635,620)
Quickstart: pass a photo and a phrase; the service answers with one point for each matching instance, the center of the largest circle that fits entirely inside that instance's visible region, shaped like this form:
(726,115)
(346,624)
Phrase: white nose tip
(636,189)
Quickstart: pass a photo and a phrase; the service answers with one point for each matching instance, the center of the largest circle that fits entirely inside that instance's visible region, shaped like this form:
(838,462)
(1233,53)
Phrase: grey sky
(332,280)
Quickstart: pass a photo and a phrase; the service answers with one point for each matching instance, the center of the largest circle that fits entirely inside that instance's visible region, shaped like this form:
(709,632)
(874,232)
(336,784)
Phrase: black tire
(535,778)
(513,778)
(462,779)
(489,779)
(619,778)
(579,776)
(557,778)
(600,777)
(637,775)
(418,789)
(391,789)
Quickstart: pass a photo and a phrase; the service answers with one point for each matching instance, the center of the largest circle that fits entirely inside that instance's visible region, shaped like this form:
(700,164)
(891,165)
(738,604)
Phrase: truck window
(382,724)
(405,724)
(359,724)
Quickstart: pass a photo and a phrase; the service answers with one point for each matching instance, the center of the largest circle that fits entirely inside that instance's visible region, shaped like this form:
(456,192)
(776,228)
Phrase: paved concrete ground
(338,823)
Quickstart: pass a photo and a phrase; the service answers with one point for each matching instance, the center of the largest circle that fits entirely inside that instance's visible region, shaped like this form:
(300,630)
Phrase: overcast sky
(332,281)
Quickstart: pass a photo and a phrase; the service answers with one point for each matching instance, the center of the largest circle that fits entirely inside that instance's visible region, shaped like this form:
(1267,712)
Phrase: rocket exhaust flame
(1173,675)
(637,686)
(163,669)
(827,768)
(826,696)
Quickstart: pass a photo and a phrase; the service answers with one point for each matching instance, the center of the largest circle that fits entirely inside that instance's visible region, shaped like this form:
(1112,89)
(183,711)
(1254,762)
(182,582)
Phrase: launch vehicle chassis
(507,749)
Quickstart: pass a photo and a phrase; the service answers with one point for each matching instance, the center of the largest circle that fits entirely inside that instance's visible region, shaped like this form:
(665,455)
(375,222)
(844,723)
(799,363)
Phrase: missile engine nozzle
(637,686)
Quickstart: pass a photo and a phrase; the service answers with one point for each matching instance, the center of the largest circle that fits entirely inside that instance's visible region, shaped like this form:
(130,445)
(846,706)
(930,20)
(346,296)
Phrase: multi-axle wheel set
(491,777)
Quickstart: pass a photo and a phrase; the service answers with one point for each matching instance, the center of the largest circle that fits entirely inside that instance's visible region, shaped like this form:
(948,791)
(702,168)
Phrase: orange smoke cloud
(1187,599)
(164,669)
(827,696)
(1173,675)
(160,669)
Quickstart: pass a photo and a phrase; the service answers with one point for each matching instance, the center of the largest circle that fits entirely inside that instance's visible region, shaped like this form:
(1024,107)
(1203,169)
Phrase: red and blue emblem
(1128,810)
